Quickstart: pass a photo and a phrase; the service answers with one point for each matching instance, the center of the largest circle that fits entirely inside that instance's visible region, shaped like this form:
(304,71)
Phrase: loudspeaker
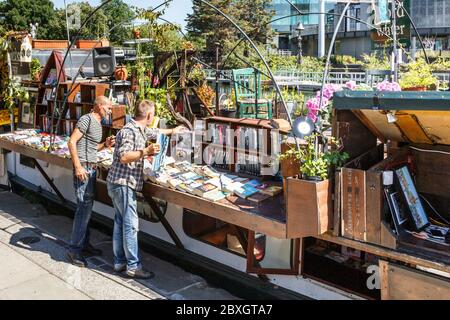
(104,61)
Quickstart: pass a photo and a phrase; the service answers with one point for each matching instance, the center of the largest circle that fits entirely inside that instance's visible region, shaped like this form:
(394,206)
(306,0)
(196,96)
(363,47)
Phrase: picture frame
(26,114)
(410,197)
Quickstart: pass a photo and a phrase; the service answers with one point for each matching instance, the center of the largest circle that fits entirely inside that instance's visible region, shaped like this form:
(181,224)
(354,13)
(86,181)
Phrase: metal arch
(85,60)
(330,49)
(64,62)
(277,87)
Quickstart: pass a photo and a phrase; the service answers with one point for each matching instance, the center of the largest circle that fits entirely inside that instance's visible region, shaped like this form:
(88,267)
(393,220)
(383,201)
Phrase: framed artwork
(411,199)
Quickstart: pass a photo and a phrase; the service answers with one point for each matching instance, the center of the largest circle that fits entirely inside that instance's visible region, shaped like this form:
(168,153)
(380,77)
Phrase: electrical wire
(430,151)
(435,211)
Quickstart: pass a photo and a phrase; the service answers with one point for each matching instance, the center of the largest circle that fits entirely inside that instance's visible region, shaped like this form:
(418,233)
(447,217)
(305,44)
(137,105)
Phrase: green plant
(316,158)
(197,74)
(35,68)
(159,96)
(418,74)
(344,59)
(375,61)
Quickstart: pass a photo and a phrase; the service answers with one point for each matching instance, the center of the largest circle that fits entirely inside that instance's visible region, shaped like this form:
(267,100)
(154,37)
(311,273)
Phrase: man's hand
(152,150)
(81,174)
(179,129)
(110,142)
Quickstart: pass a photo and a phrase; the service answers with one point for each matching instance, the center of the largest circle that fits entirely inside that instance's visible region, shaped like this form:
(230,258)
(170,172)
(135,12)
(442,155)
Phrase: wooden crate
(309,208)
(90,91)
(118,114)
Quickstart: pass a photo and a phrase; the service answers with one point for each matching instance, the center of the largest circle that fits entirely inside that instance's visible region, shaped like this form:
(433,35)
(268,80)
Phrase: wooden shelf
(386,253)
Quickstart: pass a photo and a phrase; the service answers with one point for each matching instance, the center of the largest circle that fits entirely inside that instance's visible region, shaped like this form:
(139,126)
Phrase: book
(253,183)
(246,191)
(158,159)
(215,195)
(207,187)
(173,183)
(258,197)
(271,190)
(232,187)
(189,176)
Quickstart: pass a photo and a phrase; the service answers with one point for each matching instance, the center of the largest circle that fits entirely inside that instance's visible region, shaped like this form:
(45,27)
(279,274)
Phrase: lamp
(302,127)
(300,28)
(391,117)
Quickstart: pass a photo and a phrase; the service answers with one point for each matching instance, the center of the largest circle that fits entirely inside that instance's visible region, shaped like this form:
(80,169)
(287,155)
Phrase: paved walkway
(33,265)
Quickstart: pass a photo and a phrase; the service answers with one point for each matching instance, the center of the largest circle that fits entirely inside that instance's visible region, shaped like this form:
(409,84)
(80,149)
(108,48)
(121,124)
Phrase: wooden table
(267,217)
(36,154)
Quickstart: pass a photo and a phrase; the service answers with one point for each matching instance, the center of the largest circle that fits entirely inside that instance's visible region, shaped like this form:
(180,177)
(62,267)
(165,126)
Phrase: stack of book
(208,183)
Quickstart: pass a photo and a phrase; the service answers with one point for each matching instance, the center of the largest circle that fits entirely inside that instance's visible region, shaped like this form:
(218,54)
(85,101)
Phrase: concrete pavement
(33,263)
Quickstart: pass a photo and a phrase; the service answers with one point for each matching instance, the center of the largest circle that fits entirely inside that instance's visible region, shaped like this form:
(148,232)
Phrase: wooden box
(309,208)
(418,136)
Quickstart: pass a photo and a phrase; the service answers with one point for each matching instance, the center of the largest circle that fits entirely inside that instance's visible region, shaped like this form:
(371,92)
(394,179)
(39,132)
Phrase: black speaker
(104,61)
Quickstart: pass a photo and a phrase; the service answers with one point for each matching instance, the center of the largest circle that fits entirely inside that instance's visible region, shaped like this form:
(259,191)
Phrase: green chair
(247,88)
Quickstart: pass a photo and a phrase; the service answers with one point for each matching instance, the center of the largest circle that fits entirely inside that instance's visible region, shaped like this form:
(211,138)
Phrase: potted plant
(35,69)
(121,73)
(418,77)
(308,197)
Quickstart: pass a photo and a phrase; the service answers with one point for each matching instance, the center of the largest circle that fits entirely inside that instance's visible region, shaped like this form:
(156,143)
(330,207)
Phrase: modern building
(431,17)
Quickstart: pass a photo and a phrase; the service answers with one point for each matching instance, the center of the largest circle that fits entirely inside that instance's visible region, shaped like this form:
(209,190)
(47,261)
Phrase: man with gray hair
(125,178)
(84,143)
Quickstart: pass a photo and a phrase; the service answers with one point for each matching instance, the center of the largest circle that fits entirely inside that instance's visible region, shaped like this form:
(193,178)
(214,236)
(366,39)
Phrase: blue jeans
(126,226)
(85,193)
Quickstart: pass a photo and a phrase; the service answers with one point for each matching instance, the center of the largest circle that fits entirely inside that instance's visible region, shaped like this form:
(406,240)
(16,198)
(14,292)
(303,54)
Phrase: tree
(119,15)
(18,14)
(96,28)
(206,26)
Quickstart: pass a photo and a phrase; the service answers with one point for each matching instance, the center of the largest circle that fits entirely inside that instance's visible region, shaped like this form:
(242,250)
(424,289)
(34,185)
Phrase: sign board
(383,11)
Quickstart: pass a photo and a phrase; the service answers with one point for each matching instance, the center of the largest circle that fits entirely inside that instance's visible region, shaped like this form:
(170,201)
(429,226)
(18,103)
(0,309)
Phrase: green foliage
(159,96)
(314,161)
(10,90)
(18,14)
(118,13)
(376,62)
(206,27)
(418,74)
(35,67)
(344,59)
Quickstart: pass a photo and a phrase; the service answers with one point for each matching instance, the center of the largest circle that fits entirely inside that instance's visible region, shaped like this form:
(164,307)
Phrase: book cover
(246,191)
(271,190)
(258,197)
(207,187)
(215,195)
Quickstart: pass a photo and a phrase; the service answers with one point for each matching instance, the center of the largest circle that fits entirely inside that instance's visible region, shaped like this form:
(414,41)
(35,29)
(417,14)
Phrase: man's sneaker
(139,274)
(120,268)
(90,251)
(77,259)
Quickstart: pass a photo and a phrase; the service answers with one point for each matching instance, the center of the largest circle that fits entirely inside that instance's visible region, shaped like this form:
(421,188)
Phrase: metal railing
(295,78)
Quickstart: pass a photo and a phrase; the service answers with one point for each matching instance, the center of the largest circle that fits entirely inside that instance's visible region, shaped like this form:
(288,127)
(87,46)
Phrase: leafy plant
(35,68)
(376,62)
(419,74)
(207,94)
(159,96)
(316,158)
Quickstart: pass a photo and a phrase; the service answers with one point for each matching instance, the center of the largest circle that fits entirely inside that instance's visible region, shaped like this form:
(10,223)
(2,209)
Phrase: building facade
(355,38)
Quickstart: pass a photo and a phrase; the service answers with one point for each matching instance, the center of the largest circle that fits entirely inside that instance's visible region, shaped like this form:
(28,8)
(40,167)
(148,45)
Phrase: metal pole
(217,78)
(321,45)
(394,36)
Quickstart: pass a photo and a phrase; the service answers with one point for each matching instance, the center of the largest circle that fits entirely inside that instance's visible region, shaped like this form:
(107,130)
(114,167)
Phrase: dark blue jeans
(85,193)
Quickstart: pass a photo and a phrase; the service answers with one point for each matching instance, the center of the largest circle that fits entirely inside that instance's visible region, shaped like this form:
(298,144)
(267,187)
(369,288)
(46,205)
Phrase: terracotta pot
(121,73)
(419,88)
(137,34)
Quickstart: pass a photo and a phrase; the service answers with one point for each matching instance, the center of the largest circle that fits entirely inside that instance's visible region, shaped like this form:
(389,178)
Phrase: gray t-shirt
(92,135)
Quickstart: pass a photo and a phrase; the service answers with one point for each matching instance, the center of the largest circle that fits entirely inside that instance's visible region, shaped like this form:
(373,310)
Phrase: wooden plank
(387,238)
(354,203)
(374,205)
(402,283)
(37,154)
(386,253)
(337,204)
(223,211)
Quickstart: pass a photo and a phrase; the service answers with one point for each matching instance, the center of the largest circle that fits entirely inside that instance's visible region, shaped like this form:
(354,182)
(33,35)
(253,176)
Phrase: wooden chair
(247,88)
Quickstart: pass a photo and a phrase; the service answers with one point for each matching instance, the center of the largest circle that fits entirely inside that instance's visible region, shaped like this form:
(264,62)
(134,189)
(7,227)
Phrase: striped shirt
(92,132)
(130,138)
